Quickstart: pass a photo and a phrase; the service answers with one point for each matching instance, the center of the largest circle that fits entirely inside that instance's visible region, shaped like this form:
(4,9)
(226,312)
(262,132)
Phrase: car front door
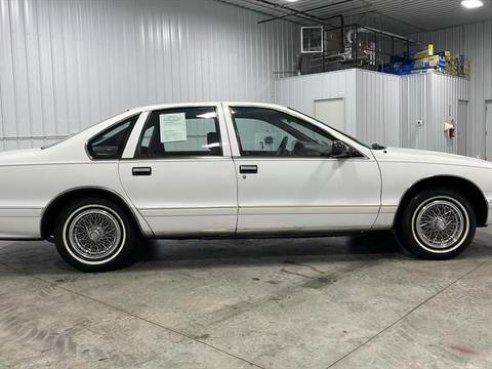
(287,181)
(179,174)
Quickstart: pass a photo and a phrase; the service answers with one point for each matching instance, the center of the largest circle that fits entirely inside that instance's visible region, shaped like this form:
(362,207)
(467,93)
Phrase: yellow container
(430,49)
(425,53)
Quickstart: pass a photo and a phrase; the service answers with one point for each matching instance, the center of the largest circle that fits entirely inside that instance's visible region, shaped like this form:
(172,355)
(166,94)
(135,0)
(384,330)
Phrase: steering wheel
(282,146)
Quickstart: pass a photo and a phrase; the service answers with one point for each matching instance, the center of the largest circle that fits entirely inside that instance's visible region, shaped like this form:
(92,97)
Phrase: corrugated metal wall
(478,47)
(432,98)
(415,92)
(372,100)
(474,41)
(384,108)
(65,64)
(446,91)
(300,93)
(378,108)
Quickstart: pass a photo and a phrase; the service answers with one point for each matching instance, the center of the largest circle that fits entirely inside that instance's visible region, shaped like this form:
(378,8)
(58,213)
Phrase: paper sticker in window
(173,127)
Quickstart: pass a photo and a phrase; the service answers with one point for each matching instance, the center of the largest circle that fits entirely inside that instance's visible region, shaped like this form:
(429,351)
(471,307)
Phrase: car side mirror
(338,149)
(102,152)
(307,148)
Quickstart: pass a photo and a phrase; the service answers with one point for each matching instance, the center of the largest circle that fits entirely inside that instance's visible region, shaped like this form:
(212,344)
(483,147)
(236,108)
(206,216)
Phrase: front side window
(181,132)
(111,143)
(267,132)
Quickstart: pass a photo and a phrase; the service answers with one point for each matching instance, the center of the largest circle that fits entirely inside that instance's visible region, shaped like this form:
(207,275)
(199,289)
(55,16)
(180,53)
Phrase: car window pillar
(132,142)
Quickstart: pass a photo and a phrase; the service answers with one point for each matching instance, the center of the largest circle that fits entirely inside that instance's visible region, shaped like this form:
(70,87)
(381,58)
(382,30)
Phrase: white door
(462,127)
(288,183)
(180,180)
(331,112)
(488,130)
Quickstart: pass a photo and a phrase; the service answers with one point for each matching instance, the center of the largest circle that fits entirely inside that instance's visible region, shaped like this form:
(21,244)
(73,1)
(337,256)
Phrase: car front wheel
(94,234)
(437,224)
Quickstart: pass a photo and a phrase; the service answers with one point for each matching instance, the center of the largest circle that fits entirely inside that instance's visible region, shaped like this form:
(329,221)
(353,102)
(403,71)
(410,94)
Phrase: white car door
(179,174)
(287,183)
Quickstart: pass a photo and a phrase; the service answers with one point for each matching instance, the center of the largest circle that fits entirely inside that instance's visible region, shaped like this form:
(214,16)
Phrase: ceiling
(402,16)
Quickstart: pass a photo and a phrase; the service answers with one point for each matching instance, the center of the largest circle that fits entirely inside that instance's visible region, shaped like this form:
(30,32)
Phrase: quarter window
(111,143)
(267,132)
(181,132)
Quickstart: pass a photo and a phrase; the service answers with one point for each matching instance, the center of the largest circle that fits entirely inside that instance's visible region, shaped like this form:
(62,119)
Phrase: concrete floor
(302,303)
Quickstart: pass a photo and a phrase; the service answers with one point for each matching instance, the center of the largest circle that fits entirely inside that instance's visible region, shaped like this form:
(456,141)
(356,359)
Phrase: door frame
(467,130)
(221,218)
(275,217)
(232,135)
(486,133)
(133,140)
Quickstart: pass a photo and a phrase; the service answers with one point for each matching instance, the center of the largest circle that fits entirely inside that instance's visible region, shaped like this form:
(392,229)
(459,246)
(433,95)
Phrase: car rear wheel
(437,224)
(95,235)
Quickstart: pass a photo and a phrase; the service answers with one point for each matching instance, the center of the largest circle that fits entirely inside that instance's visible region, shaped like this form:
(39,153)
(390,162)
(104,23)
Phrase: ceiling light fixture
(291,1)
(472,4)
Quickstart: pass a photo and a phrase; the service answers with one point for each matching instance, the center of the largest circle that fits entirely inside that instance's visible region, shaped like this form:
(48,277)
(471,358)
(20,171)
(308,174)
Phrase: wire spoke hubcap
(95,234)
(440,224)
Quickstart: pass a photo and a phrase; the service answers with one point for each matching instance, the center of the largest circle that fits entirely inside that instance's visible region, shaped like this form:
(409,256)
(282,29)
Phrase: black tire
(416,234)
(110,229)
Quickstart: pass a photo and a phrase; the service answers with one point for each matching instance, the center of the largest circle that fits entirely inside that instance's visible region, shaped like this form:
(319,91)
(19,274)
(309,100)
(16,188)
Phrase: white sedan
(233,170)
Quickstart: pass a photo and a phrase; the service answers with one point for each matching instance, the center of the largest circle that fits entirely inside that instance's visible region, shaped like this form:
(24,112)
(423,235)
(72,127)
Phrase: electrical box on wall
(420,122)
(450,129)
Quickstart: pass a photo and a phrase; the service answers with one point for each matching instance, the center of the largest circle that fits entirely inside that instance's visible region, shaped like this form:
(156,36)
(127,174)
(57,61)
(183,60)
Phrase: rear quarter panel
(28,189)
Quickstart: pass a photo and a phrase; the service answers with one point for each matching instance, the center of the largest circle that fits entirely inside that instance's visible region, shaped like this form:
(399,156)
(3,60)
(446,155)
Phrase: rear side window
(111,143)
(181,132)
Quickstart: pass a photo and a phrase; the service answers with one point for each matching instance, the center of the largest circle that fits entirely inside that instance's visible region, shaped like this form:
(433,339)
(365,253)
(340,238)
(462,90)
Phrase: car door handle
(245,169)
(142,171)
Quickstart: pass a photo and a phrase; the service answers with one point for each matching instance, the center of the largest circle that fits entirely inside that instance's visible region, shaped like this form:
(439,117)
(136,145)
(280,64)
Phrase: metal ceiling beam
(356,10)
(255,10)
(307,11)
(269,6)
(328,5)
(293,12)
(411,25)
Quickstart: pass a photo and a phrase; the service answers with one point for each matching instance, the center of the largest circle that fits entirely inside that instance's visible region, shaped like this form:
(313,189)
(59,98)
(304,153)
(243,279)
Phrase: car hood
(396,154)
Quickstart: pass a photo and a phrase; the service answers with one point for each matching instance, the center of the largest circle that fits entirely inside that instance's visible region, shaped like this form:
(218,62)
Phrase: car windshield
(367,146)
(336,130)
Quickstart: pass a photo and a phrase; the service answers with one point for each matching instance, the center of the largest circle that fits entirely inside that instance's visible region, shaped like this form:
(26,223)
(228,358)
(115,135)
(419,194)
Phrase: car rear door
(286,184)
(179,174)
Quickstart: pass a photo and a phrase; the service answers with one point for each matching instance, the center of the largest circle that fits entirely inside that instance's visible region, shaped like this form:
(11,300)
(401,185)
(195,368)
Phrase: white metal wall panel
(414,91)
(372,100)
(378,108)
(479,50)
(432,98)
(384,108)
(446,92)
(65,64)
(475,42)
(300,93)
(331,111)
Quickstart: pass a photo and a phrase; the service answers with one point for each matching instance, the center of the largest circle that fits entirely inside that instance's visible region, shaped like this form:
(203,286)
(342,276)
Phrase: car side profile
(233,170)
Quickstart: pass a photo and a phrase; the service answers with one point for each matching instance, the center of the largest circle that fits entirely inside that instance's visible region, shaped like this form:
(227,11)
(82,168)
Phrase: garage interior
(410,74)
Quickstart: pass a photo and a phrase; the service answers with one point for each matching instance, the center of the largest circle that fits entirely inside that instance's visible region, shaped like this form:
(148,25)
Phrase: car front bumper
(489,217)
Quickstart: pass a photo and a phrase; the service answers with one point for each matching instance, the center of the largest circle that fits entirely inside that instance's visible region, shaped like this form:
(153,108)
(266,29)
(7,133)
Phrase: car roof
(198,104)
